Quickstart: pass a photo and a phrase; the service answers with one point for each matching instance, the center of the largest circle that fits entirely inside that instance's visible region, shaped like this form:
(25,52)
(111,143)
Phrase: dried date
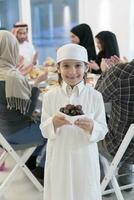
(72,110)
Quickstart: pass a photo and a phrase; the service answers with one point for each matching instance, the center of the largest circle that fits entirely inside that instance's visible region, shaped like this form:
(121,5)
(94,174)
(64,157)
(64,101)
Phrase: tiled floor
(22,188)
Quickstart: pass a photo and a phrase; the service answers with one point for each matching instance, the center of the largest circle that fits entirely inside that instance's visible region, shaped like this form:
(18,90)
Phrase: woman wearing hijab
(18,99)
(82,35)
(108,46)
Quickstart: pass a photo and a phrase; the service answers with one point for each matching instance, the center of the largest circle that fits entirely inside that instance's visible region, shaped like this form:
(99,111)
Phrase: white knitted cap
(72,51)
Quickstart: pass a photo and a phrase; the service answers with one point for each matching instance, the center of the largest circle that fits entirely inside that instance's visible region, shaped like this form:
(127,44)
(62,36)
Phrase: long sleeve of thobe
(46,126)
(99,127)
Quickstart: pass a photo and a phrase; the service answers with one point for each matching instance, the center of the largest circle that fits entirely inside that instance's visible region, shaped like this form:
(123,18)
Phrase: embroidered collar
(76,89)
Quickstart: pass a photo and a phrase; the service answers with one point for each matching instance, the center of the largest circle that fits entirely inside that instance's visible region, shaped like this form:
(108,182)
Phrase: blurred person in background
(18,102)
(107,45)
(27,52)
(82,35)
(117,86)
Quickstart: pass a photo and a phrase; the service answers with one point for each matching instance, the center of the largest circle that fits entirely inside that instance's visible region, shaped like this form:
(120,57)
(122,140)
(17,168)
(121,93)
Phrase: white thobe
(72,163)
(27,50)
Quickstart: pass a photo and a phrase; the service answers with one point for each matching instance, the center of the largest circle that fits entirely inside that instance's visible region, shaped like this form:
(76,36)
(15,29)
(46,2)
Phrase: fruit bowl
(72,112)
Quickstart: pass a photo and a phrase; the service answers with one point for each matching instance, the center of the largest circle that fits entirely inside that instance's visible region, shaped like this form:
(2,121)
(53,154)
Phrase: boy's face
(72,71)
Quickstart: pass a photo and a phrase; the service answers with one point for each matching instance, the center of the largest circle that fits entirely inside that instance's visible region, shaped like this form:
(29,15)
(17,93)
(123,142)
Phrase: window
(51,23)
(9,13)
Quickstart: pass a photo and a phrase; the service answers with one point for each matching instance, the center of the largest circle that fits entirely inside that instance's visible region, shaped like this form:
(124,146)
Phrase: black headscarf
(84,33)
(109,45)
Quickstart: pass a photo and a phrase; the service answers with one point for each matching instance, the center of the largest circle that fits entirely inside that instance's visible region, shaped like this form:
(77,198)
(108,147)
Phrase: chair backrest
(116,160)
(10,149)
(16,146)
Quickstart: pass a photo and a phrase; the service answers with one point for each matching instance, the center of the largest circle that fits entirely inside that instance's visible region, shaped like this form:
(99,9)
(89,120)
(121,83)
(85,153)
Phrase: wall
(114,15)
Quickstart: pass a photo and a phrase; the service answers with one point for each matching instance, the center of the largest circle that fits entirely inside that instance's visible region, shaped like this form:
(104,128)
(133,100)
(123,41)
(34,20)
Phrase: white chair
(20,162)
(111,167)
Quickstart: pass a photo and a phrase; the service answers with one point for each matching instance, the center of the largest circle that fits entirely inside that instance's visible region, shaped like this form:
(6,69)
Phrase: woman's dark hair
(60,80)
(109,44)
(84,33)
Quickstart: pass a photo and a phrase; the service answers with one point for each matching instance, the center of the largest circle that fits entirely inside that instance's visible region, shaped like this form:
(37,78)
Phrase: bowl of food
(35,73)
(49,63)
(72,112)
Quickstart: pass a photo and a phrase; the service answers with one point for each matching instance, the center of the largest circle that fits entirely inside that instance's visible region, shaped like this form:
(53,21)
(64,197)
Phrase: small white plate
(71,119)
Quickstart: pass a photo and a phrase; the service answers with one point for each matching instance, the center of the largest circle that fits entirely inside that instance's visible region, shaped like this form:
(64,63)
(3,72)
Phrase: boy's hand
(59,121)
(85,123)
